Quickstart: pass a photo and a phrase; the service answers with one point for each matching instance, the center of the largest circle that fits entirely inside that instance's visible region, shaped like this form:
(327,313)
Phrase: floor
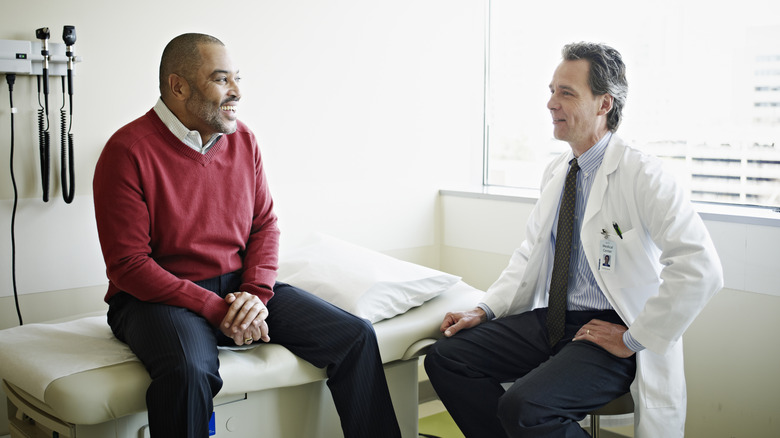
(439,426)
(436,423)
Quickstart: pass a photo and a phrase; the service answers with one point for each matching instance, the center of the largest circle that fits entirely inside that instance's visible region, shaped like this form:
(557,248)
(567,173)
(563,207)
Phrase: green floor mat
(439,426)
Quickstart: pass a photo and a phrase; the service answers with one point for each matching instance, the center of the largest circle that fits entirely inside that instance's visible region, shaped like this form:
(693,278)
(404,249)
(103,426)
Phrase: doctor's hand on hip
(607,335)
(457,321)
(245,319)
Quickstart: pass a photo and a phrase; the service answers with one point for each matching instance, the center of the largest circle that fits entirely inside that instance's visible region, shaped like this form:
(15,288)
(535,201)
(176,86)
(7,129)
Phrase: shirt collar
(590,161)
(190,138)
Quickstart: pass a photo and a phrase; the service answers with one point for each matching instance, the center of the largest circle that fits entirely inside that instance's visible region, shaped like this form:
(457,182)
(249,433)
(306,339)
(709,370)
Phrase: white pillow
(361,281)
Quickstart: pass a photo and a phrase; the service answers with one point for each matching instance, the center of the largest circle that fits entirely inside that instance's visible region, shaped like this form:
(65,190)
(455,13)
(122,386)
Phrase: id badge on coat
(608,255)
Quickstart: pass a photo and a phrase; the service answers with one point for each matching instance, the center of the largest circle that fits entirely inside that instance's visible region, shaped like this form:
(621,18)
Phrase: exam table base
(297,411)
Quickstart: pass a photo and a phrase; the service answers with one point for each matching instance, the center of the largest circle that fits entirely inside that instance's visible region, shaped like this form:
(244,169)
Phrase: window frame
(488,186)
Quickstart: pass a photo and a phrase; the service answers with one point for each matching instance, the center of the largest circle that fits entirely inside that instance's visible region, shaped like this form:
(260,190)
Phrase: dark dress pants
(179,349)
(553,387)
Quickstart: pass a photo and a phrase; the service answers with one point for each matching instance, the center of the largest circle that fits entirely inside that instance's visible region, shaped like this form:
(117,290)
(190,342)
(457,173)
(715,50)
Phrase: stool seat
(619,406)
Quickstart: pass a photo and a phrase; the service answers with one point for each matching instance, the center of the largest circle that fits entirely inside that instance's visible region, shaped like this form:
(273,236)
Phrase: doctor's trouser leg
(554,387)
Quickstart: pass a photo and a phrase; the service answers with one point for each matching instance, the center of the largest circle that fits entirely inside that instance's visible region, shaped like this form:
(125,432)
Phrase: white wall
(364,109)
(731,354)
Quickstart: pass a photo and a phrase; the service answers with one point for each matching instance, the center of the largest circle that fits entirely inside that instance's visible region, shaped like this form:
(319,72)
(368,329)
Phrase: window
(704,89)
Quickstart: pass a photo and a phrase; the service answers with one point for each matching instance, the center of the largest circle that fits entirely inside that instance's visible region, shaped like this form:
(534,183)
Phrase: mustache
(230,99)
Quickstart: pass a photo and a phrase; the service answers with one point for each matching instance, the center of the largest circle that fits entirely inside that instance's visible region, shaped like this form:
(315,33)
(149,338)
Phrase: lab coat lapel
(608,166)
(591,225)
(550,195)
(547,207)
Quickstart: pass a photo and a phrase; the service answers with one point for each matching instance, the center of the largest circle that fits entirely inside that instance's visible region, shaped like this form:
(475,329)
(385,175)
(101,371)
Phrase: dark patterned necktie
(556,312)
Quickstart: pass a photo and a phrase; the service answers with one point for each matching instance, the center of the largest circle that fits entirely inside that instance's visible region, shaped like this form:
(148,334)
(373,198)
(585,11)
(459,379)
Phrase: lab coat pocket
(631,265)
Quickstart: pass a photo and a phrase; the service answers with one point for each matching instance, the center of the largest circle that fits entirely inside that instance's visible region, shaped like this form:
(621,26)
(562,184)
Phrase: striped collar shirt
(190,138)
(583,291)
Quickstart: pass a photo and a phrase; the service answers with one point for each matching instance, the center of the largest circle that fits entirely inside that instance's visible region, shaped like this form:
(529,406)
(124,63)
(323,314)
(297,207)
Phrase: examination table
(74,379)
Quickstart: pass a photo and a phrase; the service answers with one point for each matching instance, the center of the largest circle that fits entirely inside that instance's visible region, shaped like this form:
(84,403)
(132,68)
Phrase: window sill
(764,216)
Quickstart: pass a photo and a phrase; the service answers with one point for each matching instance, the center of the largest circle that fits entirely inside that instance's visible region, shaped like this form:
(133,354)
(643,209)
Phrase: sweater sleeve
(123,223)
(262,251)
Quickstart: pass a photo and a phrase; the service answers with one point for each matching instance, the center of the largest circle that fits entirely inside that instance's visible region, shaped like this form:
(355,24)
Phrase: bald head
(182,57)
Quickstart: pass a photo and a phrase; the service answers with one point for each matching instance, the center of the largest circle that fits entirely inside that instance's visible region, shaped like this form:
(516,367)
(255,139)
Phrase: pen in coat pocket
(617,229)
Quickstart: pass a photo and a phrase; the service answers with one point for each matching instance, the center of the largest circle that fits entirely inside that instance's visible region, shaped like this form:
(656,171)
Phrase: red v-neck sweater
(168,215)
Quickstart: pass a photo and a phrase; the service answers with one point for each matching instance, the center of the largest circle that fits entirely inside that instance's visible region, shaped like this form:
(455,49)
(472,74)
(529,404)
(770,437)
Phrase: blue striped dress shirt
(583,292)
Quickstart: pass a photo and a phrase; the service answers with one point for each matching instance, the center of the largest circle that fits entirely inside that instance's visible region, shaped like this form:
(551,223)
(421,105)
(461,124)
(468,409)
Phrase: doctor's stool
(621,405)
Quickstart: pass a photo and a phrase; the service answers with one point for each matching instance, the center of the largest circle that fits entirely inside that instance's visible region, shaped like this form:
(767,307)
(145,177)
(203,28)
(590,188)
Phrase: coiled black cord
(11,78)
(66,151)
(44,142)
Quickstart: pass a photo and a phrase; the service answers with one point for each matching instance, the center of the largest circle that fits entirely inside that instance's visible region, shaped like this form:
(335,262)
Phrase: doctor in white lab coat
(661,272)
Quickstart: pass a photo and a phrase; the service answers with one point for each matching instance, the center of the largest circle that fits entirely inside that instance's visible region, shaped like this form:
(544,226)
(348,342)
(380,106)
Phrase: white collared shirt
(190,138)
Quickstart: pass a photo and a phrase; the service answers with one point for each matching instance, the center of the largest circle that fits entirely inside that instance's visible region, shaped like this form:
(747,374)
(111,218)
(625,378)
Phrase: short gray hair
(607,75)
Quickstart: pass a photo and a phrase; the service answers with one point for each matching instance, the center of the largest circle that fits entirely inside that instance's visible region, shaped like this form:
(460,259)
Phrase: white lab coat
(663,273)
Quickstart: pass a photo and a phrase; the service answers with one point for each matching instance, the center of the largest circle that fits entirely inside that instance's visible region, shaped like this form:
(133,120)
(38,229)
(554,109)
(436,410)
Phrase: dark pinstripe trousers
(179,349)
(554,386)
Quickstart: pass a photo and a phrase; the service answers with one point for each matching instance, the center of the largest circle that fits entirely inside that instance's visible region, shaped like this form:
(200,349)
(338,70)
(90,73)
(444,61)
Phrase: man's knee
(354,340)
(442,362)
(433,358)
(429,363)
(363,328)
(187,371)
(354,333)
(518,409)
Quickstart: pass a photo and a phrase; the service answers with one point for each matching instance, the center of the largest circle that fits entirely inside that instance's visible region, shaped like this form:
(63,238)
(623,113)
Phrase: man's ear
(606,104)
(180,89)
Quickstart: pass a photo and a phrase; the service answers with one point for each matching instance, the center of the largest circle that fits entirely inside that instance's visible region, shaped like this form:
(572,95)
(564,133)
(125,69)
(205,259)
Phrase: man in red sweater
(190,240)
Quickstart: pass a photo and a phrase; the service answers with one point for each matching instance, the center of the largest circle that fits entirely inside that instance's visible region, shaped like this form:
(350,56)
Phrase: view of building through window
(704,89)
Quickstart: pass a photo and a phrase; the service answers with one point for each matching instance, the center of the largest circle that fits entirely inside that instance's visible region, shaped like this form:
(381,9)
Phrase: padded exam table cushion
(118,388)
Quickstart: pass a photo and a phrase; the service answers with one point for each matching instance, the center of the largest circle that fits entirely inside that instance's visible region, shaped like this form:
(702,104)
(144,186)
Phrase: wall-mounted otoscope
(69,38)
(66,137)
(43,129)
(43,58)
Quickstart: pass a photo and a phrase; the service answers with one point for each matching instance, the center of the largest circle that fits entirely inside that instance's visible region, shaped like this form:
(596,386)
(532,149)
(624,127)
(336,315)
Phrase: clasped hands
(245,319)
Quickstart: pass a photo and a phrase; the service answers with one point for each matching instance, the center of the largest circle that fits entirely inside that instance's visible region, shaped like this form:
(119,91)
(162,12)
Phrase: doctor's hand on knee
(607,335)
(457,321)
